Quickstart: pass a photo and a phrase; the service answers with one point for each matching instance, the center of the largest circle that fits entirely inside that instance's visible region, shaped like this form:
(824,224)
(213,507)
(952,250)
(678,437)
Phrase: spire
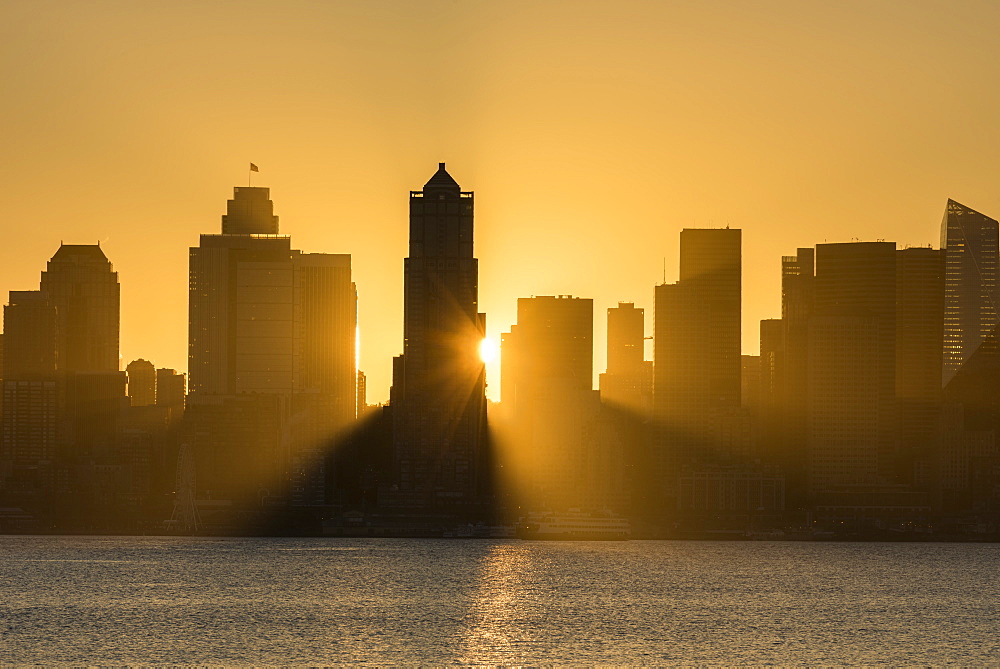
(442,181)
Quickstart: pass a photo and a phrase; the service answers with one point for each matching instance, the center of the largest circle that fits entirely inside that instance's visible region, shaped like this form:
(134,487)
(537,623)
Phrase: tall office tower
(696,357)
(547,389)
(30,389)
(438,387)
(141,383)
(267,320)
(969,241)
(920,282)
(549,350)
(326,324)
(788,437)
(852,365)
(628,381)
(83,287)
(240,315)
(171,388)
(63,393)
(697,327)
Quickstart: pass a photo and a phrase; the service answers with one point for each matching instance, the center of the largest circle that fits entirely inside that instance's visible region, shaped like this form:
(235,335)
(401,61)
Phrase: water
(114,600)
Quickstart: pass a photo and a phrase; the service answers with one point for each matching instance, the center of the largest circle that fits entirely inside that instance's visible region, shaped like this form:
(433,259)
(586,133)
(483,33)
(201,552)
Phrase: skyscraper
(438,391)
(549,352)
(920,281)
(83,287)
(852,365)
(969,240)
(696,364)
(274,327)
(30,388)
(696,357)
(784,353)
(265,318)
(63,393)
(628,381)
(548,361)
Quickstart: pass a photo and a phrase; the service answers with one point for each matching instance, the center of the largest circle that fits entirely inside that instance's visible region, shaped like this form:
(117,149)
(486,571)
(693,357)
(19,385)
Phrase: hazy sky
(591,132)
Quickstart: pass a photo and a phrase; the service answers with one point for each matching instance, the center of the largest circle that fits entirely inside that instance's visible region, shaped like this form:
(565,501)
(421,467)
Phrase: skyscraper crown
(442,181)
(91,251)
(250,212)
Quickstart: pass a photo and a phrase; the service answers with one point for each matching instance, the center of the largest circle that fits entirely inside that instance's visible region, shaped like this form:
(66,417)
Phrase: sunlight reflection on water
(492,620)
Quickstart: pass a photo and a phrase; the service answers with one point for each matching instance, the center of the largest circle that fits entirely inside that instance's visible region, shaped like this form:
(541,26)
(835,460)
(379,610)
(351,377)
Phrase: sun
(488,350)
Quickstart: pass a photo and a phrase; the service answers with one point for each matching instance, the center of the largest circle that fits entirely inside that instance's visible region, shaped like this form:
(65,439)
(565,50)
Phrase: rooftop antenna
(664,269)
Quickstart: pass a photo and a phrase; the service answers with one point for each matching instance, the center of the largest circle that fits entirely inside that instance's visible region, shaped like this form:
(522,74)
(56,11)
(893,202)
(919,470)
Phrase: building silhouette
(697,328)
(968,464)
(628,381)
(31,392)
(141,383)
(849,383)
(969,240)
(63,394)
(550,349)
(171,389)
(81,284)
(438,390)
(696,358)
(271,330)
(920,289)
(852,364)
(565,455)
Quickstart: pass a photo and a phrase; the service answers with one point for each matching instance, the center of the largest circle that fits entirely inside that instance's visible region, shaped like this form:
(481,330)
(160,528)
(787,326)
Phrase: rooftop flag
(253,168)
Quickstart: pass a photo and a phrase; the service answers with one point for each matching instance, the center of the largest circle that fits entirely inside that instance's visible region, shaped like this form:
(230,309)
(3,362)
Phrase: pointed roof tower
(442,181)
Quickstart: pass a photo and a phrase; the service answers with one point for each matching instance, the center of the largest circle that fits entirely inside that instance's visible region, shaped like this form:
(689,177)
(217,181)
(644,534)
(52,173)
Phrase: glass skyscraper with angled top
(970,241)
(439,389)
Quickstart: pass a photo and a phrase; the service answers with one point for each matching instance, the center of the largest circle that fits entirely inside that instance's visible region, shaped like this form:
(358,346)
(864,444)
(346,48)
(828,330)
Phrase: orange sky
(592,132)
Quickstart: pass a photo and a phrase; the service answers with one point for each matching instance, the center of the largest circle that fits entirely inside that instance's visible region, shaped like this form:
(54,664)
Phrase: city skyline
(749,334)
(506,333)
(749,337)
(797,122)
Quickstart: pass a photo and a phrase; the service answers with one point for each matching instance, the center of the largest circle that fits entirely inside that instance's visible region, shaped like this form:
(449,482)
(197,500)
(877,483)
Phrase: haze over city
(592,133)
(740,261)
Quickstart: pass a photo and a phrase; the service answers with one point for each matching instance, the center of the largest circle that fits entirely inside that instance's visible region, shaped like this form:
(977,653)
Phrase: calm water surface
(114,600)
